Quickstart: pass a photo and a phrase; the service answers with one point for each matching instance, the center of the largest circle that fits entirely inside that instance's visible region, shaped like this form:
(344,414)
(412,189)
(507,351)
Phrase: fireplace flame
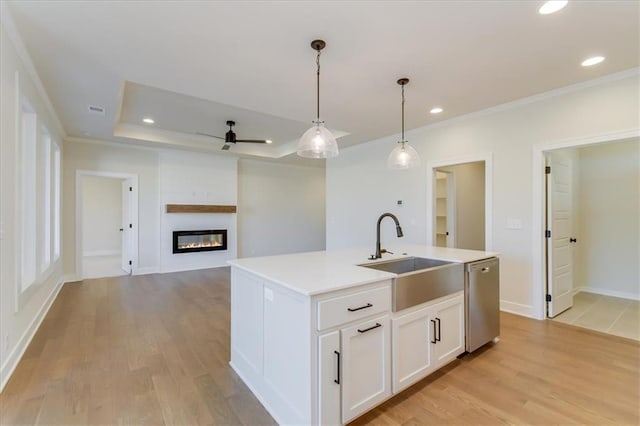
(200,244)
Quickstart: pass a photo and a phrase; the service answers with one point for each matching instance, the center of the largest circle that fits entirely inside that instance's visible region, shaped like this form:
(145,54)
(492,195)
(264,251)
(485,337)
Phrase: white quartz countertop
(318,272)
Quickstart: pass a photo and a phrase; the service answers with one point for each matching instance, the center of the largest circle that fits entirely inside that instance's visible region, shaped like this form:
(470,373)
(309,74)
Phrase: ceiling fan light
(403,156)
(317,142)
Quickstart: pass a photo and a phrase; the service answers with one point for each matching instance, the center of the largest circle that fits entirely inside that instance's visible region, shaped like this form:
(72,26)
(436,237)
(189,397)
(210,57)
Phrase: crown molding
(6,18)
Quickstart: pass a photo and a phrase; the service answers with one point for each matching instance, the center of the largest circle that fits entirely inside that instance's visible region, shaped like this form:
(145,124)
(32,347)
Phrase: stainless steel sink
(420,279)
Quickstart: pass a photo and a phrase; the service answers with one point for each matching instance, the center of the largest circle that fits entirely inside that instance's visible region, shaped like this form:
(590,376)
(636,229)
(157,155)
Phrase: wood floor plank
(154,349)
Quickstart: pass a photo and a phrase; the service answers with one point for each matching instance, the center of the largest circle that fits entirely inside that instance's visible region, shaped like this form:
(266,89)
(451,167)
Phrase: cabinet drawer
(343,309)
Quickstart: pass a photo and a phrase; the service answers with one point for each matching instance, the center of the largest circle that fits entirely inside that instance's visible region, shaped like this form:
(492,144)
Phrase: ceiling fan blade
(207,134)
(251,141)
(226,147)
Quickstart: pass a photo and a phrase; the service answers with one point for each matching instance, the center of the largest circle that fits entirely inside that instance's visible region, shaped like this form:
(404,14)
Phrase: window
(39,199)
(28,213)
(56,201)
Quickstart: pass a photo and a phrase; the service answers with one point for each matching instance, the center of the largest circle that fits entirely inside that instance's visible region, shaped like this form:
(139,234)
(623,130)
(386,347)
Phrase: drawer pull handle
(370,328)
(368,305)
(439,334)
(434,340)
(338,372)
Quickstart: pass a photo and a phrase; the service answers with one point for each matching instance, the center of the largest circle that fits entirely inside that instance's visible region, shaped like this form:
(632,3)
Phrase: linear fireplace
(204,240)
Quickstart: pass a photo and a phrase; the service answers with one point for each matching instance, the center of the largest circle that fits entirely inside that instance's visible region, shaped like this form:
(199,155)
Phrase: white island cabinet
(314,337)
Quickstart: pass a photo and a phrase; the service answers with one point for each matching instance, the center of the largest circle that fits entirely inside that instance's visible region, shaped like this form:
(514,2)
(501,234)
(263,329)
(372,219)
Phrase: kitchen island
(314,337)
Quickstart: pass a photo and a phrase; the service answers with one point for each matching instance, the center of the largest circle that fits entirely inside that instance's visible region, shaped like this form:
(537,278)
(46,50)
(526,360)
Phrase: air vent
(95,109)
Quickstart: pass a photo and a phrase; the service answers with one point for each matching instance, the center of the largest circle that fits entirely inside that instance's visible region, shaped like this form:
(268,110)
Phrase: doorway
(459,204)
(584,236)
(106,224)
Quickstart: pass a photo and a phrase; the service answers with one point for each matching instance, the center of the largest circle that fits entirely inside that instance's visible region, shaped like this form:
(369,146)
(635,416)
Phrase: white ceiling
(192,65)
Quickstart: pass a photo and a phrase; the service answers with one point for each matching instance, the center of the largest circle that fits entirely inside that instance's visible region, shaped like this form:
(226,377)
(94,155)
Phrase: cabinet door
(412,336)
(366,366)
(449,323)
(329,360)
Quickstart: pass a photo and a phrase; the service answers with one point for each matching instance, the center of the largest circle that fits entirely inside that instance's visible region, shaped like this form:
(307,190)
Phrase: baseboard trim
(96,253)
(146,271)
(517,308)
(607,292)
(9,366)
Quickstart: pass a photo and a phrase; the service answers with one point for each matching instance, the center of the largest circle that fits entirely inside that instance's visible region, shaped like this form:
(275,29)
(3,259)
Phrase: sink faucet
(379,250)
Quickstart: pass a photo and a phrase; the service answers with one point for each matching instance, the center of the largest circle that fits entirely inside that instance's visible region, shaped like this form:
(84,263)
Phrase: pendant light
(403,156)
(317,142)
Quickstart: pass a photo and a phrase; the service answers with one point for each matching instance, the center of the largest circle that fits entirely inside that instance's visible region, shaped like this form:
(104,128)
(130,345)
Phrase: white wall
(102,215)
(470,214)
(281,208)
(108,158)
(18,321)
(360,187)
(608,229)
(196,178)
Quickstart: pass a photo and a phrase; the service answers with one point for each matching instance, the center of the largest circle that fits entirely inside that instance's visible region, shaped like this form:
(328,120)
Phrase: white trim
(96,253)
(71,278)
(488,193)
(146,271)
(134,213)
(536,98)
(14,357)
(537,217)
(607,292)
(516,308)
(16,40)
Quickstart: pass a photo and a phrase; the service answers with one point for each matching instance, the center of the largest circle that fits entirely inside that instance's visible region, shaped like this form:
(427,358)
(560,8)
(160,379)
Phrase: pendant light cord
(318,88)
(403,115)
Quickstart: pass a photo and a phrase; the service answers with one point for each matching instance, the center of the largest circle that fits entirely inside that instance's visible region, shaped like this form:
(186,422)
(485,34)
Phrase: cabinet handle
(370,328)
(434,332)
(439,334)
(338,375)
(368,305)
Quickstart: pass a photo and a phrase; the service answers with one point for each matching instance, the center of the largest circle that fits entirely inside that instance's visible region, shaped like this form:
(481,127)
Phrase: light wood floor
(154,350)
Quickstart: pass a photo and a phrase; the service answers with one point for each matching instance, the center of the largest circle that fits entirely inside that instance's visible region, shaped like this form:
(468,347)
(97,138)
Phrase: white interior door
(559,230)
(127,232)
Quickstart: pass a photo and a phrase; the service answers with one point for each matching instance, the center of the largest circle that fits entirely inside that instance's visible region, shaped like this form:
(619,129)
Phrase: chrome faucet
(379,250)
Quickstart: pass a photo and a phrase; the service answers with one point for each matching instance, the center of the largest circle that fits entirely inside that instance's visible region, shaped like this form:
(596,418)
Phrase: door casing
(133,179)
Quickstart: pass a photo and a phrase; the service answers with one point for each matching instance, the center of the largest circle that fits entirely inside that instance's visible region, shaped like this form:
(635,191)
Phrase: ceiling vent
(96,110)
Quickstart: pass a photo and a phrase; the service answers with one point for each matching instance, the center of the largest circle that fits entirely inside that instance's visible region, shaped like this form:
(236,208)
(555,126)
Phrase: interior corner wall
(196,178)
(281,208)
(18,321)
(470,195)
(110,158)
(509,134)
(608,230)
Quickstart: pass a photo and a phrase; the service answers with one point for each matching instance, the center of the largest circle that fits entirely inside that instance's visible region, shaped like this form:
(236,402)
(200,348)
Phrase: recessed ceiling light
(269,141)
(592,61)
(552,6)
(148,120)
(436,110)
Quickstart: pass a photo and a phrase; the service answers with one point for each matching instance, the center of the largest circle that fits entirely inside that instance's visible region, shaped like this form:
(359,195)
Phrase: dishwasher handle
(482,266)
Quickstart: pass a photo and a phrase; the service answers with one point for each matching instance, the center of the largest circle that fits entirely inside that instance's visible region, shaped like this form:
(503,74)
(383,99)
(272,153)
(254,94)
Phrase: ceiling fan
(230,137)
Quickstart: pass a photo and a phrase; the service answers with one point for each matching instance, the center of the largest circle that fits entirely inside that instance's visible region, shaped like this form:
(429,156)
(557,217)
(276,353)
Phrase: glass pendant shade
(317,142)
(403,156)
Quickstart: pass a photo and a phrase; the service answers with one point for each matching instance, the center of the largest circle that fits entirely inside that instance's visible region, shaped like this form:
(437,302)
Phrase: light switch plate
(268,294)
(514,224)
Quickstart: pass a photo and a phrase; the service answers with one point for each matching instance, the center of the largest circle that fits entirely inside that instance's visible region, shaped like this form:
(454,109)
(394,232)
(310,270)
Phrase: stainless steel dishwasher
(482,302)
